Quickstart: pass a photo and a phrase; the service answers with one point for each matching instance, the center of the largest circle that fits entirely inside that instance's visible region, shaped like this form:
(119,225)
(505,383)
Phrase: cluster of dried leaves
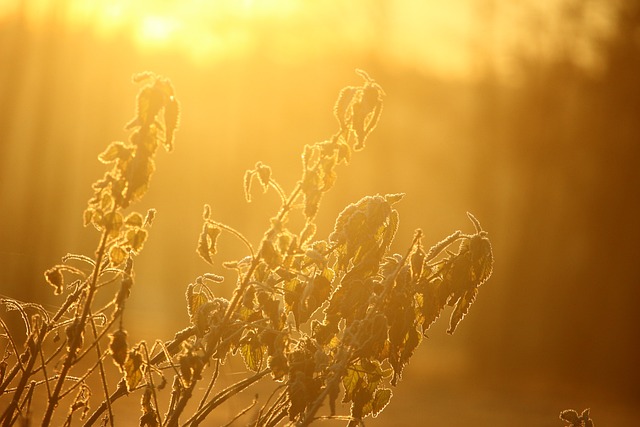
(326,319)
(575,420)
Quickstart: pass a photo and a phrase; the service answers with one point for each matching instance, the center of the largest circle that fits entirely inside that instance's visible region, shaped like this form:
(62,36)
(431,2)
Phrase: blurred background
(526,114)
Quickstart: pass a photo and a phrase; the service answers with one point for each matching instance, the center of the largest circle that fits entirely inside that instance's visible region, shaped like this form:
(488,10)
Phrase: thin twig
(242,412)
(103,377)
(150,379)
(214,377)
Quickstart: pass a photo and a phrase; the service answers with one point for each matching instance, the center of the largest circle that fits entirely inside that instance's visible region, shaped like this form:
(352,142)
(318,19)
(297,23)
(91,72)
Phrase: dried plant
(575,420)
(325,319)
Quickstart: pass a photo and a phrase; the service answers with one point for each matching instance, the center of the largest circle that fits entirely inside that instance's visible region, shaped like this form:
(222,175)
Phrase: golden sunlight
(451,40)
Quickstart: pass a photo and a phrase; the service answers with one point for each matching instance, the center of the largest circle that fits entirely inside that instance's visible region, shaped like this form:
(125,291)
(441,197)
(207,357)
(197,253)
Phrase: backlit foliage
(331,320)
(575,420)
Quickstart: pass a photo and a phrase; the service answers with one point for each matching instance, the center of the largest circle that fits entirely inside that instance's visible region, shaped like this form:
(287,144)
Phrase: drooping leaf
(307,233)
(570,416)
(134,219)
(117,255)
(116,151)
(248,177)
(381,399)
(264,175)
(351,381)
(341,108)
(417,262)
(133,368)
(252,352)
(171,120)
(149,416)
(207,241)
(118,348)
(54,277)
(270,255)
(431,302)
(461,308)
(135,239)
(311,188)
(195,299)
(113,221)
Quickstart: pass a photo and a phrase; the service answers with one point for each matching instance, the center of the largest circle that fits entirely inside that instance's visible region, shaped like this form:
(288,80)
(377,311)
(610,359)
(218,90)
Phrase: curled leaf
(133,368)
(148,220)
(207,241)
(54,277)
(264,175)
(136,238)
(117,255)
(118,347)
(134,219)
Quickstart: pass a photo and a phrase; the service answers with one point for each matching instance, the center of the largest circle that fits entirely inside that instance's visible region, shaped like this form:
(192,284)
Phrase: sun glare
(156,29)
(444,38)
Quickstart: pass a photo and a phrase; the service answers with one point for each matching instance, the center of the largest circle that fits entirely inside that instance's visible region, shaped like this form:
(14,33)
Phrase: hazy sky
(450,39)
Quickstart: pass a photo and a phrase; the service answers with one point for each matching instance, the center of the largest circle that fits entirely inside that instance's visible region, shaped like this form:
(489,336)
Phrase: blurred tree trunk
(570,278)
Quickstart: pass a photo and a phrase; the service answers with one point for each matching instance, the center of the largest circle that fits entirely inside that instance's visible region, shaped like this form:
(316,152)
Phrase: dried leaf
(207,241)
(54,277)
(461,309)
(311,188)
(133,369)
(381,399)
(149,414)
(116,151)
(194,301)
(171,120)
(307,233)
(113,221)
(151,215)
(134,219)
(270,255)
(135,239)
(248,177)
(118,347)
(117,255)
(264,175)
(341,108)
(252,352)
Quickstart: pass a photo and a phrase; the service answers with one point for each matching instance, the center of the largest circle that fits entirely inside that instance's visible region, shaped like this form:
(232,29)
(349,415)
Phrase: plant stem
(120,391)
(79,324)
(33,344)
(103,377)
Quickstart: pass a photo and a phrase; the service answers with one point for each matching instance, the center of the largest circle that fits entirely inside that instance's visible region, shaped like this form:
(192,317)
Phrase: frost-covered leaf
(270,255)
(115,151)
(381,399)
(149,416)
(113,221)
(248,177)
(134,219)
(252,352)
(264,175)
(195,299)
(118,348)
(351,381)
(117,255)
(461,309)
(171,120)
(136,238)
(307,233)
(207,241)
(133,369)
(54,278)
(312,189)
